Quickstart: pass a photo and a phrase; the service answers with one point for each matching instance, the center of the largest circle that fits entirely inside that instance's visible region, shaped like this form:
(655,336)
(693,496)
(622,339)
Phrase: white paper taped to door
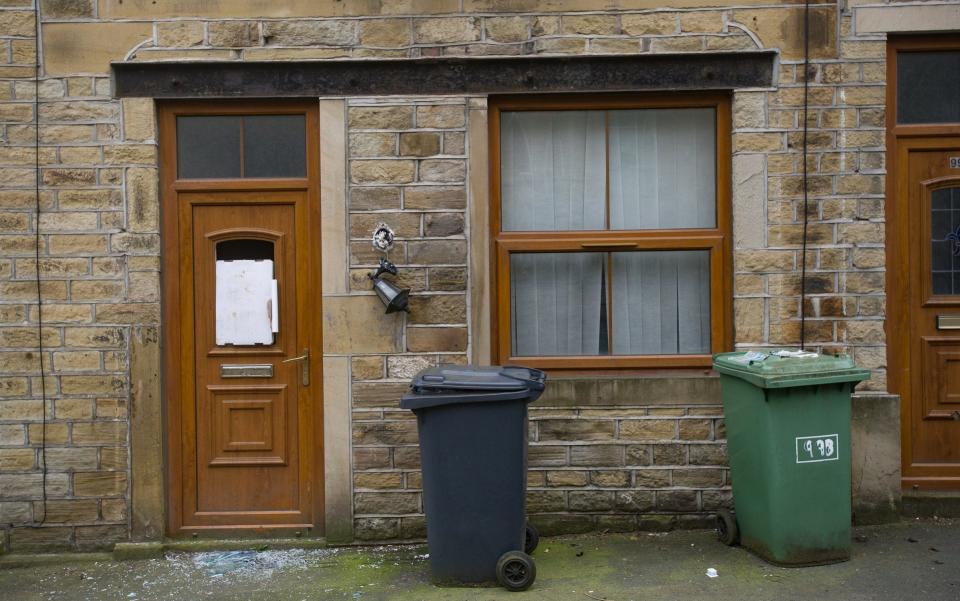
(247,302)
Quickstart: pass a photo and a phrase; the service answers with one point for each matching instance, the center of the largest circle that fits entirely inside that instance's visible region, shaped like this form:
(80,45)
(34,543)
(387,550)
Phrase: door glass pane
(558,303)
(208,147)
(274,146)
(247,295)
(928,86)
(662,169)
(661,302)
(945,240)
(245,248)
(553,170)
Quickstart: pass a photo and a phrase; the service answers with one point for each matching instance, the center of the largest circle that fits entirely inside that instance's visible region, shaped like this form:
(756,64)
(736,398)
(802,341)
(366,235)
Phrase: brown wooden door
(929,200)
(242,319)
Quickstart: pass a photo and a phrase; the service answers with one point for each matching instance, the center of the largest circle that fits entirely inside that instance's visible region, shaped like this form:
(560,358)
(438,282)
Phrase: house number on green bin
(811,449)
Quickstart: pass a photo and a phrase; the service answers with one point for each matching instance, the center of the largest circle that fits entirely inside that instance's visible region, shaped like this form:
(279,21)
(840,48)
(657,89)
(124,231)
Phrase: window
(611,230)
(927,87)
(241,146)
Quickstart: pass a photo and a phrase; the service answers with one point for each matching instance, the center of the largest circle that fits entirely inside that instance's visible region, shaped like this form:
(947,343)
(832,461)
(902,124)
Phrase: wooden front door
(923,255)
(930,197)
(242,318)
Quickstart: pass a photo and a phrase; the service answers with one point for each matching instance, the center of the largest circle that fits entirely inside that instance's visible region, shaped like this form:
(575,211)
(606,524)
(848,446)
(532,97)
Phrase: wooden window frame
(716,240)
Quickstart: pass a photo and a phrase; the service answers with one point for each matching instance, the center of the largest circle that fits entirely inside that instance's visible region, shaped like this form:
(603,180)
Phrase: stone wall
(636,463)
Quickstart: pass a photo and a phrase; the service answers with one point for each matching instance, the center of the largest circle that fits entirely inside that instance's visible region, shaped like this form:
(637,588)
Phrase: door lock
(304,366)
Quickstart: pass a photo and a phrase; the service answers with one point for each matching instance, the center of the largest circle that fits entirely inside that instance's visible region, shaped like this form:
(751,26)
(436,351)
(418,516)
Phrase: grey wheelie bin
(472,423)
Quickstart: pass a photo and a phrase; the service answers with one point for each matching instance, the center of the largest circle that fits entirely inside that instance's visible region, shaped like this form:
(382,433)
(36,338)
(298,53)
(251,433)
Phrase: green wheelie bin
(787,418)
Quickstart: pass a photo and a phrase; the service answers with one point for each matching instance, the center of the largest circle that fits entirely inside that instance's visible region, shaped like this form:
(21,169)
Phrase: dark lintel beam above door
(502,75)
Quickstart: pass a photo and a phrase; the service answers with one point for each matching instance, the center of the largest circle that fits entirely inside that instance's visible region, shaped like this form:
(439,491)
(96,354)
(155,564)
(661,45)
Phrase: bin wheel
(516,571)
(531,540)
(728,532)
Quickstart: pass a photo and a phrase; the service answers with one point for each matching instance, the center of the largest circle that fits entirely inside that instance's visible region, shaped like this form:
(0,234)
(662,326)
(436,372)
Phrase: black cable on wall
(806,106)
(38,242)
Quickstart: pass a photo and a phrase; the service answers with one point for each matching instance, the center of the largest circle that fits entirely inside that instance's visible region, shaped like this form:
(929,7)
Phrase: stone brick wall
(407,167)
(845,307)
(593,465)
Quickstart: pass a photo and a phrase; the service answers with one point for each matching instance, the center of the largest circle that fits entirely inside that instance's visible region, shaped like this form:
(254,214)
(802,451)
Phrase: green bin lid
(770,370)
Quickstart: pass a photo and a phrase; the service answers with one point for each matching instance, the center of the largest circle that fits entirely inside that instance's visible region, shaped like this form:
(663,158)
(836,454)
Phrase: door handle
(304,366)
(608,245)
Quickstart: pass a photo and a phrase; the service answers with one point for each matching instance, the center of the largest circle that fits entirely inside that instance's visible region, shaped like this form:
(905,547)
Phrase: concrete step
(926,504)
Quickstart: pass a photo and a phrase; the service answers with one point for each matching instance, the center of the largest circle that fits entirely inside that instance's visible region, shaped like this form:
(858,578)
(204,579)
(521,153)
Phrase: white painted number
(811,449)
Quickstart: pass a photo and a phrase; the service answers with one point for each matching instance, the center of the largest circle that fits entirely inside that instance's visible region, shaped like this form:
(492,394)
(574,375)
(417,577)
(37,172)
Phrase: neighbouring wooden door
(242,317)
(930,197)
(923,255)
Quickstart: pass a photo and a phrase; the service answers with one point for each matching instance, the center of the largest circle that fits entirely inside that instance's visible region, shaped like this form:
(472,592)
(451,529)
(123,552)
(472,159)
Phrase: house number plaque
(955,162)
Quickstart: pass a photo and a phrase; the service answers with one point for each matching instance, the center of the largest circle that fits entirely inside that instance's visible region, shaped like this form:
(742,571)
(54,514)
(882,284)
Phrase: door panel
(931,393)
(251,436)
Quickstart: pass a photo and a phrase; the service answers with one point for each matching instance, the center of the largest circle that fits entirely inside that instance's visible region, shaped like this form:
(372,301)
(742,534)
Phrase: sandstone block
(547,455)
(447,278)
(385,33)
(590,25)
(128,313)
(311,33)
(386,503)
(180,34)
(405,225)
(373,145)
(65,9)
(71,48)
(378,480)
(567,478)
(385,433)
(650,24)
(677,500)
(99,433)
(406,367)
(17,460)
(576,430)
(446,30)
(701,22)
(374,199)
(99,484)
(434,197)
(507,29)
(590,500)
(436,339)
(648,429)
(597,455)
(441,116)
(651,478)
(708,454)
(233,34)
(382,171)
(419,144)
(445,309)
(442,170)
(358,325)
(366,368)
(610,478)
(380,117)
(376,528)
(432,252)
(74,409)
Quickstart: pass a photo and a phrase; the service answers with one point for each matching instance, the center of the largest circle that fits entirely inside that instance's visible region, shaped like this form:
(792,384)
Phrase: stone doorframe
(147,453)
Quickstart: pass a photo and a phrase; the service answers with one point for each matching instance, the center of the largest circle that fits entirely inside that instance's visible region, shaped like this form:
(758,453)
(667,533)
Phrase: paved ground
(912,560)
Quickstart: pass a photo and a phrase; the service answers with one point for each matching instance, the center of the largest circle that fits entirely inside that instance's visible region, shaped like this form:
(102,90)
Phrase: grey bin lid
(455,384)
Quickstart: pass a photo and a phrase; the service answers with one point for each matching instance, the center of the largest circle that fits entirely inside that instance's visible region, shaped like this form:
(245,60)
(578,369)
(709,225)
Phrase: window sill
(701,387)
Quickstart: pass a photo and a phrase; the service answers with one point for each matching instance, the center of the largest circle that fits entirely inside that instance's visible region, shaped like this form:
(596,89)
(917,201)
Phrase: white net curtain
(661,168)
